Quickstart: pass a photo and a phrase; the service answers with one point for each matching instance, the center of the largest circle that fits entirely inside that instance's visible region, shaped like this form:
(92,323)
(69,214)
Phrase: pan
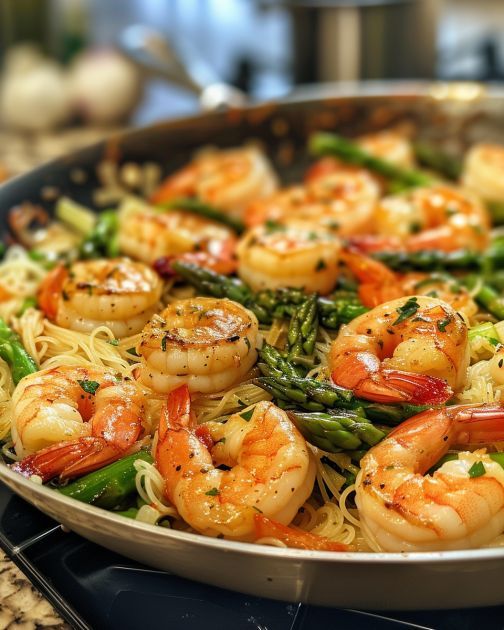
(451,115)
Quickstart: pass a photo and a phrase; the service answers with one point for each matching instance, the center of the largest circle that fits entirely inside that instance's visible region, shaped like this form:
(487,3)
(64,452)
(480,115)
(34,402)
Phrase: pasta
(263,411)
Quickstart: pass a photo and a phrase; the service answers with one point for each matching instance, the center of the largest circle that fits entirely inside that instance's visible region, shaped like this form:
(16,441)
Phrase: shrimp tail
(369,243)
(68,459)
(176,413)
(50,290)
(479,425)
(363,375)
(268,528)
(419,389)
(378,283)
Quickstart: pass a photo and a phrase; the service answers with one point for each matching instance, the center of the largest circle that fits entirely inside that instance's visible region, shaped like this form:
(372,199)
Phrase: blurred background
(72,71)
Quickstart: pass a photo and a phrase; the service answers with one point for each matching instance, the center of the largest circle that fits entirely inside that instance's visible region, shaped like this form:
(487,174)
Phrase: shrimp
(292,254)
(390,146)
(335,197)
(229,179)
(152,236)
(407,350)
(439,217)
(379,284)
(269,467)
(483,171)
(207,343)
(117,293)
(460,506)
(68,421)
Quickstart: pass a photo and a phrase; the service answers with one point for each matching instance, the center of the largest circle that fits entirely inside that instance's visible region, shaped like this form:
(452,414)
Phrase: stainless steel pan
(454,116)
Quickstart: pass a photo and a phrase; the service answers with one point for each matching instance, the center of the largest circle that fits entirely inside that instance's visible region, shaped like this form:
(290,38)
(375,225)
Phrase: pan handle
(150,50)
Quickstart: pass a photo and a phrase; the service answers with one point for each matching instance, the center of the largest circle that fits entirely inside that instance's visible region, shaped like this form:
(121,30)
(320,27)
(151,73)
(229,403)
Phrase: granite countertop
(22,607)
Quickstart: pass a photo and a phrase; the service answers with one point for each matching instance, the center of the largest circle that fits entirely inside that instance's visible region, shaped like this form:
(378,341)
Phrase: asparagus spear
(344,430)
(302,333)
(107,487)
(487,297)
(13,352)
(268,305)
(496,209)
(205,210)
(432,157)
(348,151)
(430,260)
(486,330)
(313,395)
(103,238)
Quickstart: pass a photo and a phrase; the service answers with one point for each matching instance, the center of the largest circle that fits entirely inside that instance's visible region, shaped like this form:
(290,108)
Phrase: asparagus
(75,215)
(496,209)
(13,353)
(313,395)
(344,430)
(268,305)
(103,238)
(205,210)
(348,151)
(430,260)
(432,157)
(302,333)
(487,297)
(486,330)
(277,364)
(107,487)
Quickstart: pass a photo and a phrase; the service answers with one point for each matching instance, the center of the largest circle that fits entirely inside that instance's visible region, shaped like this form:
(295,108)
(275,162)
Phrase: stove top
(93,588)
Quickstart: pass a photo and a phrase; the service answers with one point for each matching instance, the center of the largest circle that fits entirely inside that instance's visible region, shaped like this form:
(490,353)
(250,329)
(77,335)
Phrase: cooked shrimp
(270,469)
(292,254)
(229,179)
(439,217)
(460,506)
(71,420)
(379,284)
(207,343)
(483,172)
(117,293)
(335,196)
(411,350)
(390,146)
(149,236)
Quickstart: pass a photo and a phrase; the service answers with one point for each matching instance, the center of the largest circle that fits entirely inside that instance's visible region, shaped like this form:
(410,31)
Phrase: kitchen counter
(22,607)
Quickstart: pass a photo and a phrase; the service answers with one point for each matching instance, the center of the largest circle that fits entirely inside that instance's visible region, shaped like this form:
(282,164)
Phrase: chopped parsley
(408,309)
(321,265)
(246,415)
(443,323)
(89,387)
(163,343)
(477,470)
(113,342)
(274,226)
(213,492)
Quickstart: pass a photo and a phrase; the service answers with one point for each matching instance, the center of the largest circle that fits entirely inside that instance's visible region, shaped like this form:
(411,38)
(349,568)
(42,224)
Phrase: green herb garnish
(246,415)
(213,492)
(477,470)
(442,324)
(408,309)
(89,387)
